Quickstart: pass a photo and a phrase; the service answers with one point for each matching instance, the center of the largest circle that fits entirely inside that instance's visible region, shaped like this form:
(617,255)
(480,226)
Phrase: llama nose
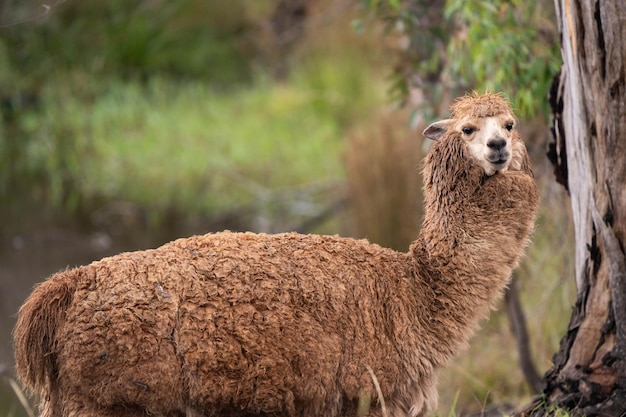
(496,144)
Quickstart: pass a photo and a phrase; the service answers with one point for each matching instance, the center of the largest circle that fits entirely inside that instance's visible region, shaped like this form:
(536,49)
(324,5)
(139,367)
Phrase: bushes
(184,146)
(56,70)
(382,163)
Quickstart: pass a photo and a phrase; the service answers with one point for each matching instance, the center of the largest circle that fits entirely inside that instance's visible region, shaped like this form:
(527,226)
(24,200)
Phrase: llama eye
(508,126)
(468,130)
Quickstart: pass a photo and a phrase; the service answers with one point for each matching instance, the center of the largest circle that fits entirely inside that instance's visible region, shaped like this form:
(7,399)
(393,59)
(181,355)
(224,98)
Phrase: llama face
(489,139)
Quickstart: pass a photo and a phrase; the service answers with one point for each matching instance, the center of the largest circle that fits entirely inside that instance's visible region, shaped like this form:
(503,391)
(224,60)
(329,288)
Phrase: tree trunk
(589,109)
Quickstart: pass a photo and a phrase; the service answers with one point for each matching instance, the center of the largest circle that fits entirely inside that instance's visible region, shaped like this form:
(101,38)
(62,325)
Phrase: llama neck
(474,232)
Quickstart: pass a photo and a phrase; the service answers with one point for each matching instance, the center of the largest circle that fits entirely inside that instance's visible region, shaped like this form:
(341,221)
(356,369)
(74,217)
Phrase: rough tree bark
(589,154)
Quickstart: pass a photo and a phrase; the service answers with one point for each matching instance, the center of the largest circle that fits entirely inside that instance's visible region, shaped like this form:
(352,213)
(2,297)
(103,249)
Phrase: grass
(187,147)
(13,399)
(381,159)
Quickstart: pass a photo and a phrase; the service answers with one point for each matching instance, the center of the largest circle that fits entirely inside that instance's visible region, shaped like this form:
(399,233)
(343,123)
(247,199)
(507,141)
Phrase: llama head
(487,125)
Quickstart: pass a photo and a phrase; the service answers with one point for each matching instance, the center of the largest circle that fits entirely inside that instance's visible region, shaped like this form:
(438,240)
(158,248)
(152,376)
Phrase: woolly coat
(242,324)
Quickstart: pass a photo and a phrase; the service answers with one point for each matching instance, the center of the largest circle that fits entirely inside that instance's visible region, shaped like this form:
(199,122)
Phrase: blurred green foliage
(137,39)
(54,70)
(187,146)
(422,34)
(506,46)
(166,104)
(509,46)
(79,84)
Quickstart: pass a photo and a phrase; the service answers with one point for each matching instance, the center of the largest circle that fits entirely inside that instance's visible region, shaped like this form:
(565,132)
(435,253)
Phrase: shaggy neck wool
(474,230)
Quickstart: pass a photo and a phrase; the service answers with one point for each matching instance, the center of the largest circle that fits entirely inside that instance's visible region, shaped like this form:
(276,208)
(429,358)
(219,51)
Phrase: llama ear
(437,129)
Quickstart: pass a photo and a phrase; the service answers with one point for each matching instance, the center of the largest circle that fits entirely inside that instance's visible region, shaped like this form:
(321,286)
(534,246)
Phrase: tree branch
(517,322)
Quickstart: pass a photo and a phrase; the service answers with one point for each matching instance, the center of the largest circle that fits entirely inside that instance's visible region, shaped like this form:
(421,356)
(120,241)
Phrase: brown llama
(242,324)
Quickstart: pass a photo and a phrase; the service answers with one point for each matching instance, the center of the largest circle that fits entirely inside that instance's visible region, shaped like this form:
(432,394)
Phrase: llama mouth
(498,159)
(500,162)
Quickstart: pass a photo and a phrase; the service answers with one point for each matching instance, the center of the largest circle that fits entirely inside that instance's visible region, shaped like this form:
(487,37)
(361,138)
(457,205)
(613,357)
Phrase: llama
(243,324)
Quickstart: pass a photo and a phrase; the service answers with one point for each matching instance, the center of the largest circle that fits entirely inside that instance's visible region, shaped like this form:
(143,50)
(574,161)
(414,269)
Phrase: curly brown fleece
(242,324)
